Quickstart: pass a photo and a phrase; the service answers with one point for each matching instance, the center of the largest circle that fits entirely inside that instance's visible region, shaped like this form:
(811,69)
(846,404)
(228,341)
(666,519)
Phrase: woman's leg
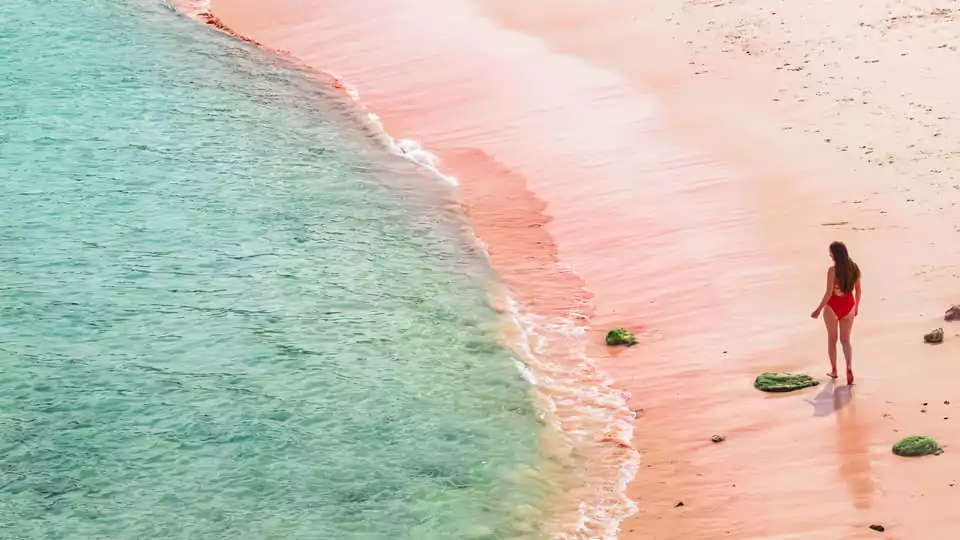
(830,319)
(846,328)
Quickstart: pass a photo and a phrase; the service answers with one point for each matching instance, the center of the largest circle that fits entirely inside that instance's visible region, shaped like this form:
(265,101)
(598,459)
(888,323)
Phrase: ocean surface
(227,311)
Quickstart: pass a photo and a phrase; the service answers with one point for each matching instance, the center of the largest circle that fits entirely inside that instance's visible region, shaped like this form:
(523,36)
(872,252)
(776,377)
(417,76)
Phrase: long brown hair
(847,272)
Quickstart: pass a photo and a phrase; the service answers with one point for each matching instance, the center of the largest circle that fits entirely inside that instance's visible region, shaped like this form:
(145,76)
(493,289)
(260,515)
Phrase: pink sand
(690,161)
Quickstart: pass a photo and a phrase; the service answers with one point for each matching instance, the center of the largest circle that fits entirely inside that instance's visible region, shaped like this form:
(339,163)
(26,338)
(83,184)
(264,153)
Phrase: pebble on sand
(935,336)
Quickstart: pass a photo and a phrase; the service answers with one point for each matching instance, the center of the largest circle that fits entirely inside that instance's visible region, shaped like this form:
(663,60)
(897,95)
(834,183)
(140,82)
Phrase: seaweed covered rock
(783,382)
(916,445)
(952,314)
(935,336)
(620,336)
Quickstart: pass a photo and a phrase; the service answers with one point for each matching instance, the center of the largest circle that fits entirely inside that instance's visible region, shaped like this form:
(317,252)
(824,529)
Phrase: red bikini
(842,304)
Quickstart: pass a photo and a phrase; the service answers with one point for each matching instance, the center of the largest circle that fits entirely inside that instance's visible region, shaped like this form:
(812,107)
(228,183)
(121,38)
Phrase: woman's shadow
(853,446)
(831,399)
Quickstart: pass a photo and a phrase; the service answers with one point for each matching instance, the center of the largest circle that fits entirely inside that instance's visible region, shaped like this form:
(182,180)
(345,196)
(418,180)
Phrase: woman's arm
(859,292)
(826,294)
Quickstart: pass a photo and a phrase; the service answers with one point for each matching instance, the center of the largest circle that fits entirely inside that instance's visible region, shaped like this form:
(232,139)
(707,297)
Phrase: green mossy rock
(916,445)
(783,382)
(620,336)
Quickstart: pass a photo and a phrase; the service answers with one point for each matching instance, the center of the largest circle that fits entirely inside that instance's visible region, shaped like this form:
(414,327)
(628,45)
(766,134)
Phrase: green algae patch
(783,382)
(917,445)
(620,336)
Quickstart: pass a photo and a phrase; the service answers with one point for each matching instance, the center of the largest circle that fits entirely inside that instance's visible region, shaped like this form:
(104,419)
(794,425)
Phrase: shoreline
(690,255)
(586,416)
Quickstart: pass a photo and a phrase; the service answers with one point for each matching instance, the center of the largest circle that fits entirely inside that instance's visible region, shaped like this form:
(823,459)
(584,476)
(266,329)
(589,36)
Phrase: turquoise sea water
(226,311)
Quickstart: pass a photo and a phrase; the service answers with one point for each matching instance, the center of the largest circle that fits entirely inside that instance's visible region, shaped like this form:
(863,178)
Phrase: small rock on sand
(915,446)
(878,528)
(718,438)
(935,336)
(621,336)
(952,314)
(783,382)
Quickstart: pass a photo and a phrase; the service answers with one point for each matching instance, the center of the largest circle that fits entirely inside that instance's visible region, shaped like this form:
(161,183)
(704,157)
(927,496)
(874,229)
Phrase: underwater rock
(620,336)
(916,445)
(718,438)
(878,528)
(952,314)
(935,336)
(783,382)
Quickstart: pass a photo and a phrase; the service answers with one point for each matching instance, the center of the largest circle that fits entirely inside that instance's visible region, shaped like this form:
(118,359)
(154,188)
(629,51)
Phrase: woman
(842,303)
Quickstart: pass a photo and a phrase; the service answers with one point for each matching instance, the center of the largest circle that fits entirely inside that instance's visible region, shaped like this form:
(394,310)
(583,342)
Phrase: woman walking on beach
(842,302)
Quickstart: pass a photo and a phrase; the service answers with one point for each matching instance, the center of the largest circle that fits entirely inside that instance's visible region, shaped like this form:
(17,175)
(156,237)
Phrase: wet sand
(690,162)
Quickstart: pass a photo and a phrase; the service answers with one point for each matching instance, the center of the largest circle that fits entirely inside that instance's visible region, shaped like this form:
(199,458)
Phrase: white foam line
(597,399)
(408,149)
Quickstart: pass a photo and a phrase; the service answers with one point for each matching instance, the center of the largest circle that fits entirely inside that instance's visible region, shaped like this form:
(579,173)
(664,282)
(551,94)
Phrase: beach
(679,169)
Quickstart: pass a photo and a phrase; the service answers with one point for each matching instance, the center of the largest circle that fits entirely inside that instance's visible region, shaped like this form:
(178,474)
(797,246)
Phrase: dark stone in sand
(718,438)
(952,314)
(783,382)
(620,336)
(678,505)
(878,528)
(935,336)
(916,445)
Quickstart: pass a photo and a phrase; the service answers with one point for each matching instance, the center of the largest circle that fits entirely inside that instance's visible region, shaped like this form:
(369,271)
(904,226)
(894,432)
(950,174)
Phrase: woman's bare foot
(849,377)
(832,374)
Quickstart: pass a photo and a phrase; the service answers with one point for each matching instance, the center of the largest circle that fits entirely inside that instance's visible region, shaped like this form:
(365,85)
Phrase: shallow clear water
(225,310)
